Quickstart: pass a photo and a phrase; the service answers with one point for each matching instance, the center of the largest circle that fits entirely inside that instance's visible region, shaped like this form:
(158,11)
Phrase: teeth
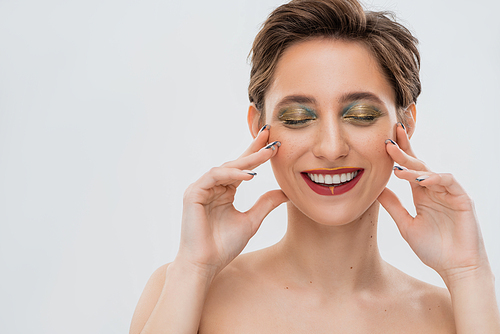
(334,179)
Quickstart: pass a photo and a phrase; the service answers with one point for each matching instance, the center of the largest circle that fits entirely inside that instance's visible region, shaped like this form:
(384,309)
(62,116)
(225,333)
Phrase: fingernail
(397,167)
(390,141)
(249,172)
(402,125)
(267,126)
(272,145)
(423,177)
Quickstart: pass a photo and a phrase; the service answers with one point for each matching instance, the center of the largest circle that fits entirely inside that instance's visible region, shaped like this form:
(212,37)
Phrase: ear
(411,119)
(253,119)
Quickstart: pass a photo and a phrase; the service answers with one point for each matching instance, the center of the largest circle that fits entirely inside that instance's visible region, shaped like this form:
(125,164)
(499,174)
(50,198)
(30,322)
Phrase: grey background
(109,109)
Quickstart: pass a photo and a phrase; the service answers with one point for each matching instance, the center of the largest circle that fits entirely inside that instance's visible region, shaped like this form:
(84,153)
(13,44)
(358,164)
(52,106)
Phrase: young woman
(333,92)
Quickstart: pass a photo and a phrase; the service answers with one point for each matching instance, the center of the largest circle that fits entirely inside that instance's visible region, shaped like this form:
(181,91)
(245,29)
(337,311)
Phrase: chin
(335,215)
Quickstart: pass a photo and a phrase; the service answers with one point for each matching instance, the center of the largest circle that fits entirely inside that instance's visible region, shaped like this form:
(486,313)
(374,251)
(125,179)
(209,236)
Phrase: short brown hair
(394,47)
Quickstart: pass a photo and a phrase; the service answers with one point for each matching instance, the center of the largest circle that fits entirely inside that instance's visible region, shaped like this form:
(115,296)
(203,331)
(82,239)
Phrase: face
(332,109)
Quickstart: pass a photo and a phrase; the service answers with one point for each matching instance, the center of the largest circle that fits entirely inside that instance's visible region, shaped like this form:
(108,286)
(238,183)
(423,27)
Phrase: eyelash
(296,121)
(363,118)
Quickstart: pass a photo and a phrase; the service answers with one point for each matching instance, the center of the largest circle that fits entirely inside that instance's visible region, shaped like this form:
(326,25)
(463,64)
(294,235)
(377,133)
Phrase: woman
(333,92)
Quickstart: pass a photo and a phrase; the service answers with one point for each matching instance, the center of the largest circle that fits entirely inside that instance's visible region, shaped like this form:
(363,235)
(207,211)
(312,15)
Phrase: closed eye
(361,114)
(296,116)
(361,117)
(296,121)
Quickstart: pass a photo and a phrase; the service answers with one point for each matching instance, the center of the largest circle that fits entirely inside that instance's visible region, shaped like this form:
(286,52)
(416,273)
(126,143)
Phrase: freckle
(385,310)
(351,267)
(429,309)
(286,287)
(310,281)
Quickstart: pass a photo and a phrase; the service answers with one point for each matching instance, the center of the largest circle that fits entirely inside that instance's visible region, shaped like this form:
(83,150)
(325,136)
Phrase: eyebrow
(355,96)
(299,99)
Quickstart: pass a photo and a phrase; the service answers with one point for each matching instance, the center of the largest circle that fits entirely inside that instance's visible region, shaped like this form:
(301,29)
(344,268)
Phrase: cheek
(380,147)
(294,149)
(373,143)
(291,148)
(372,146)
(381,161)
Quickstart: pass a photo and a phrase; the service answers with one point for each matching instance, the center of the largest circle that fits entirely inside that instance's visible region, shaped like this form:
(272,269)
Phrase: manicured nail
(423,177)
(402,125)
(397,167)
(390,141)
(272,145)
(267,126)
(249,172)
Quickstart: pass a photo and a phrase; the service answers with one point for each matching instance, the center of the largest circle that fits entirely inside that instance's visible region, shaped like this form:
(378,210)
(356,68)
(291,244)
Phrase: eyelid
(361,114)
(362,109)
(296,112)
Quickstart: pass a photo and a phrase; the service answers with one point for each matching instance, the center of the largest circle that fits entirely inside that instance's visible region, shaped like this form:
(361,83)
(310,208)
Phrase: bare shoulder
(236,290)
(148,299)
(154,286)
(241,275)
(425,305)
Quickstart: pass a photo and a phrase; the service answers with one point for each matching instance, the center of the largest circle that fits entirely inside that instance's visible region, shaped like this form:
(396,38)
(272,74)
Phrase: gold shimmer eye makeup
(361,113)
(296,115)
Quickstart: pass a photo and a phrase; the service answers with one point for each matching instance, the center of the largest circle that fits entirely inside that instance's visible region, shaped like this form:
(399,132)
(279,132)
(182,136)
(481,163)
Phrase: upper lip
(331,171)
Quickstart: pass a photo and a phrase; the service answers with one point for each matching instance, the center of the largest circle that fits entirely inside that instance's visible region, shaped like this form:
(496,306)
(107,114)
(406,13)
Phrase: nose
(330,142)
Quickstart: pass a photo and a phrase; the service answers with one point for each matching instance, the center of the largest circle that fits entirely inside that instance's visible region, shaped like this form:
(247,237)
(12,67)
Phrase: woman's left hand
(445,233)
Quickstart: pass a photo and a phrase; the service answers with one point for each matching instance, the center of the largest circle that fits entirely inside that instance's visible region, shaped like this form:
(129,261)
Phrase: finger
(264,205)
(260,140)
(403,140)
(402,158)
(393,206)
(222,176)
(413,177)
(255,159)
(439,182)
(444,180)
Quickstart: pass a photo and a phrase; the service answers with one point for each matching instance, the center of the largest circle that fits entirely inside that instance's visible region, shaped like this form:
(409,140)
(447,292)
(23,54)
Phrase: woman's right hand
(213,232)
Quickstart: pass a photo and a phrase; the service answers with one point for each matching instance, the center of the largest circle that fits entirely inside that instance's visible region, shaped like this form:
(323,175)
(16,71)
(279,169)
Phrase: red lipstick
(333,189)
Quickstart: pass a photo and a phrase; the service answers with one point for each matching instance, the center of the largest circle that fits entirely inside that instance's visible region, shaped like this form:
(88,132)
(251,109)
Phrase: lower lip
(338,190)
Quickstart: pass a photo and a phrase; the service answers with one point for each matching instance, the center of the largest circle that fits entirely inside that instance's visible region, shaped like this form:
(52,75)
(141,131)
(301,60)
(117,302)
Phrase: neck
(343,257)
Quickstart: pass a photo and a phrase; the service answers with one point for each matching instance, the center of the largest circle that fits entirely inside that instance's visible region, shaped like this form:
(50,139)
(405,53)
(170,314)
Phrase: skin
(326,275)
(326,72)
